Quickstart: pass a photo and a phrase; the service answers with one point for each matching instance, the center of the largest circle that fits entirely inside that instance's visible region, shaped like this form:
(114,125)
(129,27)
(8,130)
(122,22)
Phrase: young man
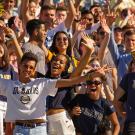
(36,30)
(48,16)
(126,94)
(61,14)
(25,97)
(122,60)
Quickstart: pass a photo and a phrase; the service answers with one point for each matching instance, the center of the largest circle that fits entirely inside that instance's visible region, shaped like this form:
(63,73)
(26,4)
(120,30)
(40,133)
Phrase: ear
(35,32)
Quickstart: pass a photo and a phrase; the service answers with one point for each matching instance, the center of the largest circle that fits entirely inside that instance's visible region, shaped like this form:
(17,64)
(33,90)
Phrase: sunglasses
(64,39)
(95,65)
(96,82)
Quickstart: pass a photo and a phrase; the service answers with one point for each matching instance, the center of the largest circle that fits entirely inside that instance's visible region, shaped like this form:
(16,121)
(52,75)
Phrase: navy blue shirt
(61,99)
(92,113)
(128,85)
(8,74)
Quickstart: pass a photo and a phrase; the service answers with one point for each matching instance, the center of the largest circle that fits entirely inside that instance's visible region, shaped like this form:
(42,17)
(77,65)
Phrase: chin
(54,74)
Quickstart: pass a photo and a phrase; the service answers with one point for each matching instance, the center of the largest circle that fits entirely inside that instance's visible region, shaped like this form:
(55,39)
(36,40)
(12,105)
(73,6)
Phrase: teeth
(93,89)
(55,67)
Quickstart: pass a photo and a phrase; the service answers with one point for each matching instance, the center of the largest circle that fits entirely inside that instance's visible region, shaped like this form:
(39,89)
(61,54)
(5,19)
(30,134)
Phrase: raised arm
(70,15)
(105,41)
(89,46)
(9,32)
(76,80)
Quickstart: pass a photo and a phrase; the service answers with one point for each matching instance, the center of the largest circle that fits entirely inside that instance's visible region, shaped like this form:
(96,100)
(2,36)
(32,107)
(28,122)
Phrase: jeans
(39,130)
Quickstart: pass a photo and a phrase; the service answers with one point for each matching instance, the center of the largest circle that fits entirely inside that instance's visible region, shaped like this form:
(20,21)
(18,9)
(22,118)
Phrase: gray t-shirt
(29,47)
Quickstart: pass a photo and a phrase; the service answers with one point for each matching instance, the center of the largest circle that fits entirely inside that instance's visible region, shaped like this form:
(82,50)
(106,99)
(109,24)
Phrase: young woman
(58,118)
(88,110)
(62,45)
(6,72)
(106,91)
(57,115)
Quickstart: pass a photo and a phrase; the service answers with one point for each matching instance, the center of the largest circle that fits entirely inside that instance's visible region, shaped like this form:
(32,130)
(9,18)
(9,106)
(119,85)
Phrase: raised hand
(81,26)
(88,42)
(104,24)
(110,18)
(131,20)
(99,72)
(9,32)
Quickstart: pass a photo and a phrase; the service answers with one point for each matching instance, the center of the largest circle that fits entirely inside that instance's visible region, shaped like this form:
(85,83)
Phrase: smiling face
(61,42)
(61,16)
(89,19)
(9,4)
(49,14)
(97,11)
(58,65)
(129,42)
(41,33)
(95,64)
(27,70)
(94,87)
(32,8)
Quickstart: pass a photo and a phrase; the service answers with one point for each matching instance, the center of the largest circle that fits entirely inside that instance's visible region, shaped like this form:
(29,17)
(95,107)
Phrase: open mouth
(92,89)
(55,67)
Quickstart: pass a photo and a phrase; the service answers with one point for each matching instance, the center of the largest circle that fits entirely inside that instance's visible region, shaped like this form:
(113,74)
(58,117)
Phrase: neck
(95,98)
(55,76)
(63,52)
(24,80)
(33,41)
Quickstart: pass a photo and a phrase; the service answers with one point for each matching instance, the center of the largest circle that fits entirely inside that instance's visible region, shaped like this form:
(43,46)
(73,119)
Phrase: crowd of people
(67,67)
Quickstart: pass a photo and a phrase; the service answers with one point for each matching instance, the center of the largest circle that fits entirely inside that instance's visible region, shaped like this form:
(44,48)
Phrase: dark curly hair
(65,73)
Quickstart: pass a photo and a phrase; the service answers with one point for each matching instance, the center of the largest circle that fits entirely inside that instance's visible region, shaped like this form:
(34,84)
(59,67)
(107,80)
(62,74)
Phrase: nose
(57,62)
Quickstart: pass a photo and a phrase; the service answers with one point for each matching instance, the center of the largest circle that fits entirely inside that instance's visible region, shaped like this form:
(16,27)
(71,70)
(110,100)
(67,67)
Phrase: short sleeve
(124,83)
(109,108)
(50,87)
(3,86)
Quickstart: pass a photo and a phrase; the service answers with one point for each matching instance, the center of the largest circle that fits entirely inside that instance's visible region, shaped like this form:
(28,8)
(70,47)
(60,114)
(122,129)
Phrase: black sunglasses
(93,82)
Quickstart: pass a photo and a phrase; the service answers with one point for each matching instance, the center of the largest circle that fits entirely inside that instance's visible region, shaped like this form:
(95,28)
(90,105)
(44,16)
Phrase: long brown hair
(5,58)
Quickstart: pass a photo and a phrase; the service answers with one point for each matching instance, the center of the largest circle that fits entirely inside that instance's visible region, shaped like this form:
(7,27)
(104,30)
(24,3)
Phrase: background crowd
(86,49)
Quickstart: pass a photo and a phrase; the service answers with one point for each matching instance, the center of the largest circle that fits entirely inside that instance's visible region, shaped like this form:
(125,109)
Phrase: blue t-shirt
(61,99)
(92,113)
(128,85)
(8,74)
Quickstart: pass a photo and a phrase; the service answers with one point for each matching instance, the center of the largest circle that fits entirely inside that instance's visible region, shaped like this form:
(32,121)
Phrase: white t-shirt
(27,101)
